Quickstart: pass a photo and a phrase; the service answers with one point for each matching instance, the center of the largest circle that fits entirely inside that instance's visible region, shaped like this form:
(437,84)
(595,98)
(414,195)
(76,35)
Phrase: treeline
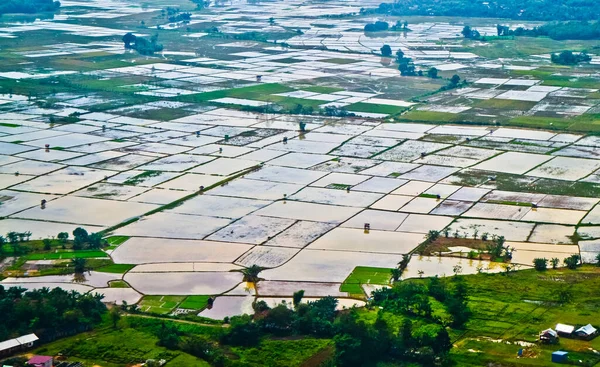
(28,6)
(357,343)
(46,311)
(549,10)
(574,30)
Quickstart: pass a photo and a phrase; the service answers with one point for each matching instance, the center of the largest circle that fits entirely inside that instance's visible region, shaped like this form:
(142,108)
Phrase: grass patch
(117,240)
(118,284)
(116,268)
(281,352)
(195,302)
(81,254)
(365,275)
(505,104)
(255,92)
(160,304)
(5,124)
(375,108)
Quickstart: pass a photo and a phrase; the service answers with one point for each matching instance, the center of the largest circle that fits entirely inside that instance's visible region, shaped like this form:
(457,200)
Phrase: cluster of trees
(81,240)
(378,26)
(141,44)
(28,6)
(84,240)
(512,9)
(356,343)
(570,58)
(47,312)
(405,64)
(571,262)
(201,4)
(470,33)
(401,25)
(574,30)
(174,15)
(413,299)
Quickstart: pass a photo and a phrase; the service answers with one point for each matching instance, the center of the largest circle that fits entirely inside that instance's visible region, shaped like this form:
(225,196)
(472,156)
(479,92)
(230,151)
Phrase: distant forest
(512,9)
(573,30)
(28,6)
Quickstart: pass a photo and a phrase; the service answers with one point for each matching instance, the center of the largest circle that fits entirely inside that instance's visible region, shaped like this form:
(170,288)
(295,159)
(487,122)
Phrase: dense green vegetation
(570,58)
(512,9)
(47,312)
(28,6)
(574,30)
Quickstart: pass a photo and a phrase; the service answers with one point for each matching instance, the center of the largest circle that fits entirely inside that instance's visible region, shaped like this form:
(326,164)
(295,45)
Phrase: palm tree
(251,273)
(396,273)
(79,264)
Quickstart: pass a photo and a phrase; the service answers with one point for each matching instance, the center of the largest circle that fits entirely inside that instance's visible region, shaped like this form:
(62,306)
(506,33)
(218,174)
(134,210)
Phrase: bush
(540,264)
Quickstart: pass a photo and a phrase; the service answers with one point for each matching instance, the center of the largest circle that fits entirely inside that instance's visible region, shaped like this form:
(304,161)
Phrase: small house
(40,361)
(549,336)
(586,332)
(564,329)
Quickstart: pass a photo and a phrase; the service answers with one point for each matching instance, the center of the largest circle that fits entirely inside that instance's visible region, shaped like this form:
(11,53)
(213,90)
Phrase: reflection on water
(428,266)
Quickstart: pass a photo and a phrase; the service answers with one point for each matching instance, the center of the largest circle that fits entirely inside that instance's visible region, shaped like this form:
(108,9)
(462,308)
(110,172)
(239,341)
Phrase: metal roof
(11,343)
(26,339)
(563,328)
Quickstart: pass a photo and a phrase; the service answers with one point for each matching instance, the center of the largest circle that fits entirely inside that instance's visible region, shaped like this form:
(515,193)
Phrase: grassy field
(116,268)
(160,304)
(81,254)
(194,302)
(365,275)
(375,108)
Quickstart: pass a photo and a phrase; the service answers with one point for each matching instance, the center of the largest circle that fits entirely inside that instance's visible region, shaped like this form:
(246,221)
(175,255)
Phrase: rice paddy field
(270,134)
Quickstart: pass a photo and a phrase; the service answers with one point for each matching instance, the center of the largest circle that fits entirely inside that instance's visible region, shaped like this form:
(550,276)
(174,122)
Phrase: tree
(47,244)
(540,264)
(115,316)
(243,331)
(431,236)
(554,261)
(396,274)
(251,273)
(128,39)
(572,261)
(432,73)
(95,240)
(399,55)
(598,259)
(79,264)
(386,50)
(454,80)
(168,336)
(80,236)
(467,32)
(297,297)
(63,237)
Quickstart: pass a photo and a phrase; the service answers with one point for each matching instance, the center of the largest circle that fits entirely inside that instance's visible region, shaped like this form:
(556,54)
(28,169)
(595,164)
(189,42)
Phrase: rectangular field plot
(349,239)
